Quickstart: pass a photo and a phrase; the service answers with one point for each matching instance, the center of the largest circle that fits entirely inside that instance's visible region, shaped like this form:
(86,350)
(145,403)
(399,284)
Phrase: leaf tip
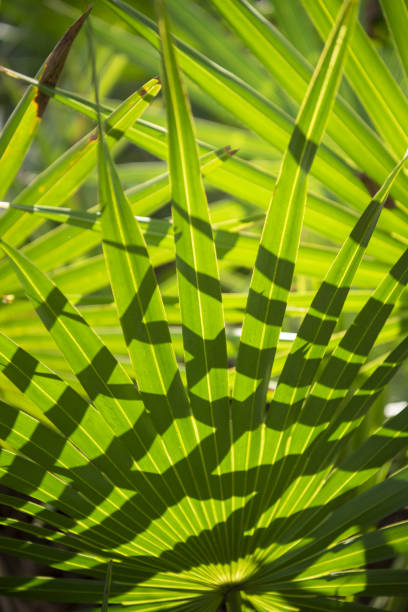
(56,60)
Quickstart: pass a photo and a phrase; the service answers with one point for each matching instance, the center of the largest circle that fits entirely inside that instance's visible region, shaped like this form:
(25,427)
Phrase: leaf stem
(233,601)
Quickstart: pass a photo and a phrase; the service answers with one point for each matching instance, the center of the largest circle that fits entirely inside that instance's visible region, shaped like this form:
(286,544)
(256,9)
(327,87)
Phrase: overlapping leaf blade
(103,379)
(198,284)
(276,257)
(286,64)
(396,15)
(55,184)
(285,416)
(247,104)
(312,439)
(354,553)
(72,417)
(250,183)
(147,336)
(369,77)
(67,243)
(274,267)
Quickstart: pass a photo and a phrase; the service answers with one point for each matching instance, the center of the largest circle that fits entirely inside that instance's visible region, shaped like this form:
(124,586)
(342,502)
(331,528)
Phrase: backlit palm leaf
(150,466)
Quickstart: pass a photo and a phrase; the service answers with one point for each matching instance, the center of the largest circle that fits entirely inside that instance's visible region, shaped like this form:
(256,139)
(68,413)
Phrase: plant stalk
(233,601)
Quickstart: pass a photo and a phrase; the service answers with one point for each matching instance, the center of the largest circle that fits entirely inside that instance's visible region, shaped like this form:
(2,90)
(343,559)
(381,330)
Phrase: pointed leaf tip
(56,60)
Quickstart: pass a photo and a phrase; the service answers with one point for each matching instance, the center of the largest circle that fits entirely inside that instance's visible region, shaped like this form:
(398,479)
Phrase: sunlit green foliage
(189,413)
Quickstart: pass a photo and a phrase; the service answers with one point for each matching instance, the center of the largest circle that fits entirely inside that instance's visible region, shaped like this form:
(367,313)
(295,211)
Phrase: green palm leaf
(286,412)
(198,283)
(146,333)
(272,276)
(156,457)
(66,243)
(309,441)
